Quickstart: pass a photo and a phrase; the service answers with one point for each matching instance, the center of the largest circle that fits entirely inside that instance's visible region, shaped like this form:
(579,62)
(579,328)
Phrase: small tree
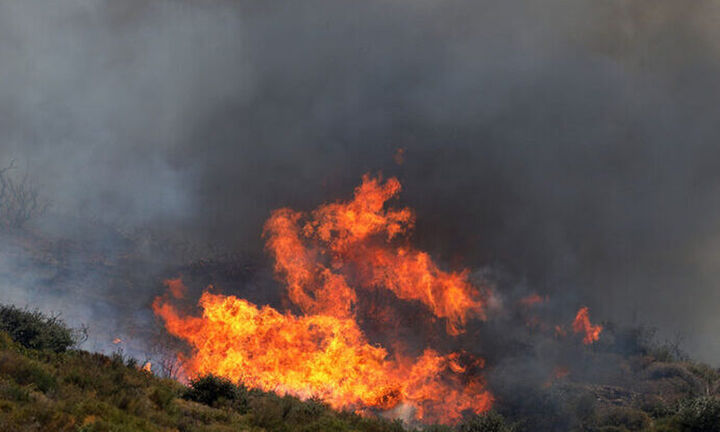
(35,330)
(19,199)
(209,389)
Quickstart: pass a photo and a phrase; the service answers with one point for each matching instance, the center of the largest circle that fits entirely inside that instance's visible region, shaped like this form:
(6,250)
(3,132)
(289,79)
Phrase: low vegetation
(47,385)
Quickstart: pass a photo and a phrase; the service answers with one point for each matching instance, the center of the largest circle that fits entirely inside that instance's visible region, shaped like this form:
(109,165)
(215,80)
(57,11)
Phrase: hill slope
(47,386)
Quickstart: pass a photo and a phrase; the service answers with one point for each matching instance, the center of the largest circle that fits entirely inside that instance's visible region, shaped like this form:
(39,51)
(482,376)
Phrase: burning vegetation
(327,259)
(330,261)
(582,325)
(367,328)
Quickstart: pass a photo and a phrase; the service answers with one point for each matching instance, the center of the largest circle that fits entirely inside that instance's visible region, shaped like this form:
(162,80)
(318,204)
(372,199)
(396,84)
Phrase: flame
(324,258)
(558,373)
(147,367)
(582,325)
(399,156)
(319,356)
(175,287)
(346,236)
(533,300)
(117,341)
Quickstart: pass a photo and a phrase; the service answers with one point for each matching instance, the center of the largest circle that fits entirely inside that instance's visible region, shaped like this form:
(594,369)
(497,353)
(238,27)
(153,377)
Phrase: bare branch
(19,199)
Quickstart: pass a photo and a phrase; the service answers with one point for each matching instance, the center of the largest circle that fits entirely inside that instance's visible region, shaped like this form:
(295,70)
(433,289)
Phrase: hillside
(51,388)
(45,385)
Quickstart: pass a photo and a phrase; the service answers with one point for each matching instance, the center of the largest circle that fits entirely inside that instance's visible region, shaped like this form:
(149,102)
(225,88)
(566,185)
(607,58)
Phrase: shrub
(625,418)
(698,415)
(268,412)
(488,422)
(35,330)
(209,389)
(438,428)
(25,371)
(10,390)
(585,407)
(654,406)
(162,396)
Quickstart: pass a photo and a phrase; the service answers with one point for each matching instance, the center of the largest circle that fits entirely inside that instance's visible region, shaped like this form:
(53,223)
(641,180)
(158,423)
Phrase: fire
(399,156)
(317,256)
(176,288)
(582,325)
(326,259)
(533,300)
(558,373)
(319,356)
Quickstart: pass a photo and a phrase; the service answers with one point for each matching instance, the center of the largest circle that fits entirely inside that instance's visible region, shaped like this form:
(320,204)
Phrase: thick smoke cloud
(573,143)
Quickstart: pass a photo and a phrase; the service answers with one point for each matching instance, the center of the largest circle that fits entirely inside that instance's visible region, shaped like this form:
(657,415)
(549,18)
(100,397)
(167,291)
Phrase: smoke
(573,143)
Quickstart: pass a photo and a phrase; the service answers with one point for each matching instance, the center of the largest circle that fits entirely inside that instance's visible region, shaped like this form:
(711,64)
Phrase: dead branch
(19,199)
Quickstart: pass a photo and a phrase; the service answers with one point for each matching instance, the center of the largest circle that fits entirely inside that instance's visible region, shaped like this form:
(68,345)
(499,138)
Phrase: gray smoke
(574,143)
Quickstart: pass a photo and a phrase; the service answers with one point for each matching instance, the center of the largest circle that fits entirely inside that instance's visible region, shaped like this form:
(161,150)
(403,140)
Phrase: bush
(210,389)
(37,331)
(625,418)
(162,396)
(699,415)
(268,412)
(438,428)
(488,422)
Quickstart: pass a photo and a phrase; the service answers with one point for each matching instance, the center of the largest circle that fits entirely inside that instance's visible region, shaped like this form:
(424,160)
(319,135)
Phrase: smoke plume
(572,144)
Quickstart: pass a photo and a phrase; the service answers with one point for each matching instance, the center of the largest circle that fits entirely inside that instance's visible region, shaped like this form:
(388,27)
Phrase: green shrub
(699,415)
(488,422)
(34,330)
(305,412)
(210,389)
(654,406)
(267,412)
(625,418)
(10,390)
(162,396)
(25,371)
(438,428)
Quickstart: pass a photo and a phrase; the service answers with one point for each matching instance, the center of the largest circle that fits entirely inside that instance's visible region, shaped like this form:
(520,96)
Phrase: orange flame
(355,238)
(176,287)
(322,258)
(399,156)
(532,300)
(558,373)
(319,356)
(582,325)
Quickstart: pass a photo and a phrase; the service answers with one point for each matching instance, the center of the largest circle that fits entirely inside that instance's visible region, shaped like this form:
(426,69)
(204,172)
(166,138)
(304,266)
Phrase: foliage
(625,418)
(80,391)
(488,422)
(45,386)
(35,330)
(699,415)
(210,389)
